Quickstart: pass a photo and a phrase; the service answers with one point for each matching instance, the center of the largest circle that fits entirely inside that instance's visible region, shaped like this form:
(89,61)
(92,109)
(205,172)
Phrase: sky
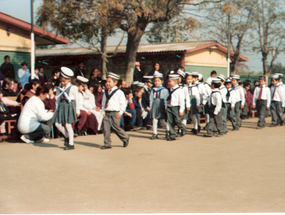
(21,9)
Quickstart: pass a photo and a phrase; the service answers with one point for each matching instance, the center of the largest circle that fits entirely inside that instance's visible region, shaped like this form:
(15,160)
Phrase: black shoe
(171,139)
(259,127)
(69,147)
(126,143)
(66,141)
(154,137)
(281,123)
(272,125)
(80,132)
(208,135)
(167,134)
(195,131)
(143,128)
(148,127)
(199,128)
(183,132)
(236,128)
(106,147)
(219,135)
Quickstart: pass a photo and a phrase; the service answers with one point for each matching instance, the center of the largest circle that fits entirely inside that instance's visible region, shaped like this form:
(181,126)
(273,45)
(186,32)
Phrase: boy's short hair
(217,85)
(24,63)
(6,56)
(55,71)
(35,82)
(42,90)
(213,72)
(119,83)
(127,91)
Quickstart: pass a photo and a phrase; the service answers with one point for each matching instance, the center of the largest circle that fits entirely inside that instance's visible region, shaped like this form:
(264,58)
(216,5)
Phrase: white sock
(61,128)
(194,120)
(184,121)
(154,125)
(70,133)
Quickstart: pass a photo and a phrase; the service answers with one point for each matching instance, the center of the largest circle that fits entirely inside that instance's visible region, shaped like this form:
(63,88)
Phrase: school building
(199,56)
(15,40)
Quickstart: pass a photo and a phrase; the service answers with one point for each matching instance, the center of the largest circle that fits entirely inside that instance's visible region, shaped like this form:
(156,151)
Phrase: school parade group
(74,104)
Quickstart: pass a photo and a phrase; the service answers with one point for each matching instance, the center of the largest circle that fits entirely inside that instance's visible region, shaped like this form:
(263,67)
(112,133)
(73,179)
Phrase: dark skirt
(158,109)
(193,109)
(65,112)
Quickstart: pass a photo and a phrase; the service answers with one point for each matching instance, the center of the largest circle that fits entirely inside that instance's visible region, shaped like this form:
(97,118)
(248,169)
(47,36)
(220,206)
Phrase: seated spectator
(42,76)
(89,104)
(5,103)
(33,118)
(124,84)
(36,75)
(7,87)
(33,85)
(24,74)
(97,92)
(128,119)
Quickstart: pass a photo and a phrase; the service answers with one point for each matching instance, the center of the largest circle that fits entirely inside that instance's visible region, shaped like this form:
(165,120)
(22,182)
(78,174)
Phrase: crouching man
(34,117)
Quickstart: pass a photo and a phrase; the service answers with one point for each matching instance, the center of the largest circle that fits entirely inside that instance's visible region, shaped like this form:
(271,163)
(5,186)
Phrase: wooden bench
(11,123)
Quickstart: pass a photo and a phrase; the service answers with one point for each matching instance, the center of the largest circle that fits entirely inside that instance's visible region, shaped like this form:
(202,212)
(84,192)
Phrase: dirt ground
(240,172)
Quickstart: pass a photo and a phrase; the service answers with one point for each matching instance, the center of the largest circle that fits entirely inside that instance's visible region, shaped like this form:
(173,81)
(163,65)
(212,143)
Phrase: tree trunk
(264,65)
(234,63)
(103,47)
(134,38)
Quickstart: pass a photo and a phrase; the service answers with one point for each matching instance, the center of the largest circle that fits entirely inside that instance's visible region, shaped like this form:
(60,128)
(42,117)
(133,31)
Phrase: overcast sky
(21,9)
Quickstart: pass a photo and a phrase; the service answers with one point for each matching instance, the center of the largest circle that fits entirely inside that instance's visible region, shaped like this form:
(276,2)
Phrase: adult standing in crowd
(157,66)
(95,77)
(138,74)
(24,74)
(33,118)
(80,71)
(7,68)
(42,76)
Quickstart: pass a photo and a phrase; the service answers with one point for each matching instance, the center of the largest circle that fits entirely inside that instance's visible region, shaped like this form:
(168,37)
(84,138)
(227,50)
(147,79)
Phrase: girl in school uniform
(158,105)
(194,101)
(67,109)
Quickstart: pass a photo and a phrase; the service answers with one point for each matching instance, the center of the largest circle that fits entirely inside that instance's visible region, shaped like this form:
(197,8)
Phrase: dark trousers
(215,122)
(140,121)
(39,133)
(238,112)
(82,119)
(231,114)
(131,120)
(224,119)
(261,111)
(173,119)
(110,122)
(276,112)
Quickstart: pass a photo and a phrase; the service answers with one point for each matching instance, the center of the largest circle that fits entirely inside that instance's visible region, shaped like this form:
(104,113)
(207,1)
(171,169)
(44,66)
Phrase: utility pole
(32,42)
(229,45)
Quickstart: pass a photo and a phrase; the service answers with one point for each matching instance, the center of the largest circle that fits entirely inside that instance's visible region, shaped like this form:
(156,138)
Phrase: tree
(270,28)
(136,15)
(239,13)
(82,21)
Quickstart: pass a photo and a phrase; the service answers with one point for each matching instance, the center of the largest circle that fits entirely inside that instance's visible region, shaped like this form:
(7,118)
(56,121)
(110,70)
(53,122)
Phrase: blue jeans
(132,119)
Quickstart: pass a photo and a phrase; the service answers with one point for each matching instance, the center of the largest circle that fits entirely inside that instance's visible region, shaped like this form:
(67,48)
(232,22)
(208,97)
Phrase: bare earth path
(243,171)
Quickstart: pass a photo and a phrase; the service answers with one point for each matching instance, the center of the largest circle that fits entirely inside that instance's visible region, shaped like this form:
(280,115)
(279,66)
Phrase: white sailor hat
(173,76)
(188,73)
(158,75)
(113,75)
(222,77)
(279,74)
(228,80)
(200,76)
(195,74)
(276,77)
(66,72)
(180,72)
(209,80)
(82,79)
(135,83)
(237,77)
(216,80)
(171,72)
(147,78)
(140,84)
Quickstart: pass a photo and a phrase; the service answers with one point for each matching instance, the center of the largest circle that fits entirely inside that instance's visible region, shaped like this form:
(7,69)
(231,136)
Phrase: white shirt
(32,114)
(207,94)
(186,95)
(264,96)
(21,72)
(177,98)
(239,94)
(223,91)
(279,93)
(216,100)
(194,91)
(73,95)
(232,97)
(89,100)
(116,102)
